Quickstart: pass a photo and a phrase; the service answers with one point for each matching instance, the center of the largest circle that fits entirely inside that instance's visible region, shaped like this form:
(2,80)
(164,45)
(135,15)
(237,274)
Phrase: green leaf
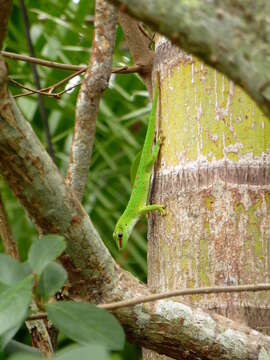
(22,356)
(96,352)
(19,348)
(134,167)
(86,324)
(7,336)
(52,278)
(43,251)
(14,304)
(11,271)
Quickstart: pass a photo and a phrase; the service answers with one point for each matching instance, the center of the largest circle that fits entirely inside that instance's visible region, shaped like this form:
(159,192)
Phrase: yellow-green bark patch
(212,118)
(203,262)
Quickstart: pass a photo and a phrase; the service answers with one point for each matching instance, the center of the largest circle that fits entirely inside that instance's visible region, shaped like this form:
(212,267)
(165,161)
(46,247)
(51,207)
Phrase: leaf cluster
(95,331)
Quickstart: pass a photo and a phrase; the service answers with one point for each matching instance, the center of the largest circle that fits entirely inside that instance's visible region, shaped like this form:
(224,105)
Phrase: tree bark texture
(232,36)
(214,179)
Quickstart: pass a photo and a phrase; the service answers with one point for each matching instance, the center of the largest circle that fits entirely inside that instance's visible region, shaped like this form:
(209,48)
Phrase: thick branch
(96,80)
(232,36)
(5,6)
(168,327)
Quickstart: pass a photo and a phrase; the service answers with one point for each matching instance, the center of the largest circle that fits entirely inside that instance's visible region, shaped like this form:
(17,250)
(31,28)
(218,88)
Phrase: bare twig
(42,92)
(42,109)
(48,90)
(42,62)
(95,82)
(169,294)
(129,69)
(9,243)
(30,91)
(80,68)
(184,292)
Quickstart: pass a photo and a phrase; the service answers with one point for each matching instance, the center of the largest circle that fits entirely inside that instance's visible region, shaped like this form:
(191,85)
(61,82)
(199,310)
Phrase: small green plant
(95,331)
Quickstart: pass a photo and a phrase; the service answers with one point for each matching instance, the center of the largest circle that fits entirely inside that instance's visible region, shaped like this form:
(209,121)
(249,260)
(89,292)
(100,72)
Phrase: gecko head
(121,235)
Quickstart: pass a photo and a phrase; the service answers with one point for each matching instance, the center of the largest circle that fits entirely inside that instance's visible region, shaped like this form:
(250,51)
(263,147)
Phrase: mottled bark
(172,328)
(214,179)
(95,81)
(232,36)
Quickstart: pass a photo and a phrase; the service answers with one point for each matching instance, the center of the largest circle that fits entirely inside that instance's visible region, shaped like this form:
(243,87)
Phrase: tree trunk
(213,176)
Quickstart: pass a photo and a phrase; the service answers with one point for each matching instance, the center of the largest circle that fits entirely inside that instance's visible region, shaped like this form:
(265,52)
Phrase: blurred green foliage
(62,31)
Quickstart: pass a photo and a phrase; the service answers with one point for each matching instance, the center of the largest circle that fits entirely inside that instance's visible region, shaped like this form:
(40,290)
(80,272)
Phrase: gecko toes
(162,210)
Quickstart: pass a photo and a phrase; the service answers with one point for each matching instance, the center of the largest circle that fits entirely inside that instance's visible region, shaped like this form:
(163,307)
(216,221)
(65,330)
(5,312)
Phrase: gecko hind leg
(153,207)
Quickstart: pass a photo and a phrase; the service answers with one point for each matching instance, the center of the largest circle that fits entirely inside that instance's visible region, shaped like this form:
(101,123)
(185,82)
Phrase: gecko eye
(120,237)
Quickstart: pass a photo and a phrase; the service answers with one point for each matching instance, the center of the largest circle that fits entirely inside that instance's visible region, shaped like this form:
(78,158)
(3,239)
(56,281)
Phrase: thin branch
(184,292)
(141,69)
(95,81)
(9,243)
(42,62)
(166,295)
(48,90)
(42,109)
(41,91)
(79,68)
(30,91)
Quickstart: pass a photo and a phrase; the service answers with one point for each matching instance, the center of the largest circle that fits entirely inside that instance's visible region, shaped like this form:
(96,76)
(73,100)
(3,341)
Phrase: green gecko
(137,205)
